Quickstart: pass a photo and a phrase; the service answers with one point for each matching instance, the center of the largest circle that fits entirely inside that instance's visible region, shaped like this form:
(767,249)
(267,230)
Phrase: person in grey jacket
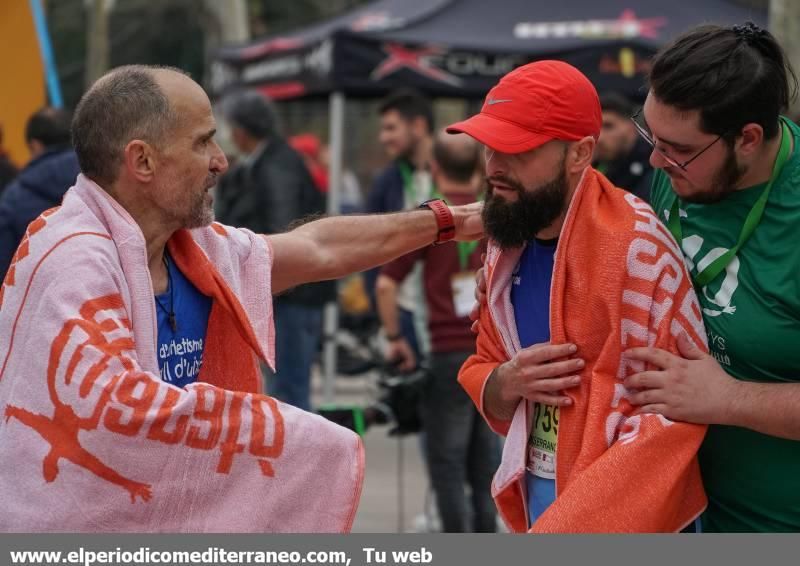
(269,190)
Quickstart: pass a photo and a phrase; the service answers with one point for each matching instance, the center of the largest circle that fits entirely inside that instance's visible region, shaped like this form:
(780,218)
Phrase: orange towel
(618,282)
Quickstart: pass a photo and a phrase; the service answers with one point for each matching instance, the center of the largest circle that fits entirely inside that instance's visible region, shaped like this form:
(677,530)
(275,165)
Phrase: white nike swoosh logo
(493,101)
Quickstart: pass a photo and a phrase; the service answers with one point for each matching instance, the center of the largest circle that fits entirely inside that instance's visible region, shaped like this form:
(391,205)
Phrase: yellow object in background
(627,62)
(353,296)
(22,85)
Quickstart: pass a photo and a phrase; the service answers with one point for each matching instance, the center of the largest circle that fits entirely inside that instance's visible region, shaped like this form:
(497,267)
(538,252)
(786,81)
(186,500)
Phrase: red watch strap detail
(444,220)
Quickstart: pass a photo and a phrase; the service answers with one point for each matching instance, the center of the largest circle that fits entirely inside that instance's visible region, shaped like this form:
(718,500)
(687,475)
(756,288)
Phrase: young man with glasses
(728,189)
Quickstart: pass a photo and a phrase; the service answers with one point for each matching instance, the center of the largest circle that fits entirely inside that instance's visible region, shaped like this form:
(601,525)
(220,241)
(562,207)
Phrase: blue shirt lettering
(180,351)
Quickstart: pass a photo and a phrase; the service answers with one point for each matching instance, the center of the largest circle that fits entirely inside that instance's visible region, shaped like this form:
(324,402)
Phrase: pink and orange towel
(93,441)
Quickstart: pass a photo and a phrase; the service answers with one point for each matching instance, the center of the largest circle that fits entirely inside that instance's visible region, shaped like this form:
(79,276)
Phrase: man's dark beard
(511,224)
(723,184)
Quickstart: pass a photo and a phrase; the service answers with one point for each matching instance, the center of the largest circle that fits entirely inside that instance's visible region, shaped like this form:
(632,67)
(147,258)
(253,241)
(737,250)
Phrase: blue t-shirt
(180,352)
(530,297)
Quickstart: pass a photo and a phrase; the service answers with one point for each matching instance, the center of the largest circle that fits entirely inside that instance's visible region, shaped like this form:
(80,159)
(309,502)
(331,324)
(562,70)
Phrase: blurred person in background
(406,133)
(351,198)
(42,182)
(317,158)
(460,448)
(309,147)
(266,192)
(620,153)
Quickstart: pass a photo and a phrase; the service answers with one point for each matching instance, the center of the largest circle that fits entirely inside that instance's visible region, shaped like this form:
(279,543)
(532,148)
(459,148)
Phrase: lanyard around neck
(465,249)
(408,183)
(753,217)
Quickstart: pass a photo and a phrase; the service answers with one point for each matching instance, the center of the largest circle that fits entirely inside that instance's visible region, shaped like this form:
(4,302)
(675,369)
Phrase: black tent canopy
(462,47)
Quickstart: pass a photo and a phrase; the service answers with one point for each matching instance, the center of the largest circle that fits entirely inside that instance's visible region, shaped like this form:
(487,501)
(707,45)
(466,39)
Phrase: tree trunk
(784,22)
(233,20)
(98,47)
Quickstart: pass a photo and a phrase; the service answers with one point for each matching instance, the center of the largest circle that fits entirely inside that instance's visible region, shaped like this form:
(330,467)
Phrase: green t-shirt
(752,316)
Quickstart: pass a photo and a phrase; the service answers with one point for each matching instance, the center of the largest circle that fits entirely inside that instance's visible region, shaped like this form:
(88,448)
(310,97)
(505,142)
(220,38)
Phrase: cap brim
(499,135)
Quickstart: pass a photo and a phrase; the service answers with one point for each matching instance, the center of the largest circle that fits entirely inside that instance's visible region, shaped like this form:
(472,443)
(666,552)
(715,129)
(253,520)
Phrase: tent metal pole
(331,321)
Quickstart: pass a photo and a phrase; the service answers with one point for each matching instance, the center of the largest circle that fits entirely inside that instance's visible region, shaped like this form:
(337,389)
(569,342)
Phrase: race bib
(463,287)
(542,441)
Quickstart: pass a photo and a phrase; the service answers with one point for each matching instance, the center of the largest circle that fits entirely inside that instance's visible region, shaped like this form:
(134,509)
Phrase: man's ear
(580,154)
(140,161)
(750,140)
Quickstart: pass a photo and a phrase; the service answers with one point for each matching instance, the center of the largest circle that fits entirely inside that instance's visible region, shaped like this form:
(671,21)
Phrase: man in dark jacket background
(621,155)
(42,182)
(267,191)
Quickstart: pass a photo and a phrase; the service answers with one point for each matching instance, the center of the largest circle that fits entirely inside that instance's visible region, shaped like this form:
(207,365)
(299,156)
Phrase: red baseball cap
(533,104)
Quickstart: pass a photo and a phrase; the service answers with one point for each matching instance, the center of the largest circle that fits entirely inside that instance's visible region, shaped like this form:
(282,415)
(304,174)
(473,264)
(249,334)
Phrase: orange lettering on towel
(653,257)
(97,344)
(61,430)
(23,250)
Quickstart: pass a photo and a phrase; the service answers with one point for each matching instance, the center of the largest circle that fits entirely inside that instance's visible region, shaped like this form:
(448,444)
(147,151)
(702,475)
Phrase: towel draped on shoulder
(619,282)
(93,441)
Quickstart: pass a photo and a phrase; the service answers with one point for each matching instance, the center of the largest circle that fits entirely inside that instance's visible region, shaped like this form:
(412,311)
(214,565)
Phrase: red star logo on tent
(647,27)
(415,59)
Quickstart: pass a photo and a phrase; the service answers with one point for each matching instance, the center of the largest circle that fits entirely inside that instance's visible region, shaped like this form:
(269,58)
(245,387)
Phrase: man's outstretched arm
(330,248)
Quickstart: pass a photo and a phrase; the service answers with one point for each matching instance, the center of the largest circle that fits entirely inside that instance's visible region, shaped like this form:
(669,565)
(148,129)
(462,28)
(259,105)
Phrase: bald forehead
(460,145)
(179,88)
(189,102)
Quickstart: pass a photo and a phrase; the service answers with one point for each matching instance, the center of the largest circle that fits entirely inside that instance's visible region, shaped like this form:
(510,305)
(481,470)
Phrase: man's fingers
(549,399)
(407,364)
(647,397)
(540,353)
(480,286)
(475,312)
(659,358)
(688,349)
(646,380)
(655,408)
(551,385)
(553,369)
(474,327)
(468,222)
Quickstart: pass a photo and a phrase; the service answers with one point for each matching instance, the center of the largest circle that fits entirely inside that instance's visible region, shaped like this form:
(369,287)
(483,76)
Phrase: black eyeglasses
(649,139)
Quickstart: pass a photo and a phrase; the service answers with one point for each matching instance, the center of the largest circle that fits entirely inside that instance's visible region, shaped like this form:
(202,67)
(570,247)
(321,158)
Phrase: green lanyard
(465,249)
(408,182)
(753,218)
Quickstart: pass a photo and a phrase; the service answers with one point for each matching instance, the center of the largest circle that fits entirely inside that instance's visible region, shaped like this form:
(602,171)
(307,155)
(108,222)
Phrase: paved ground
(396,484)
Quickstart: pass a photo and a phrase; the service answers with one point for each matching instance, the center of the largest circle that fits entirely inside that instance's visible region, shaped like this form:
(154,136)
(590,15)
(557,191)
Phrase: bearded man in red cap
(577,271)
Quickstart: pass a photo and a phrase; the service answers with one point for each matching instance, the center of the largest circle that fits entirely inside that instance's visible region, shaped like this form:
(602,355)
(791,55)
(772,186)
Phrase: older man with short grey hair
(133,325)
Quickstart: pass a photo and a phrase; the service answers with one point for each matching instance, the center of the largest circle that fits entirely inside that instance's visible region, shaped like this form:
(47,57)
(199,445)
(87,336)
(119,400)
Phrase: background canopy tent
(457,48)
(461,48)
